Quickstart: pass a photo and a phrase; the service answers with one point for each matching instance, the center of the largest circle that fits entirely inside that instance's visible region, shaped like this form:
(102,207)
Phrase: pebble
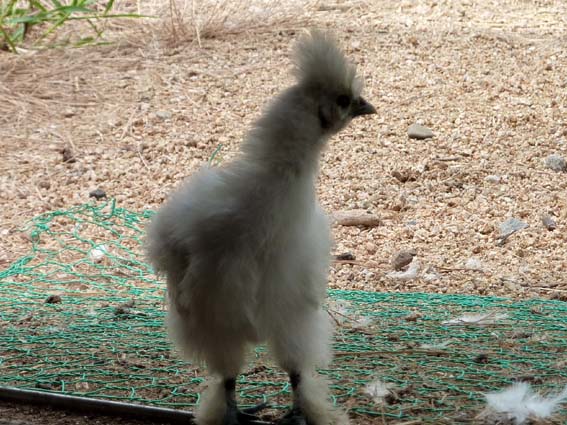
(97,194)
(164,115)
(68,155)
(44,184)
(548,222)
(356,218)
(53,299)
(347,256)
(403,259)
(419,132)
(411,272)
(404,175)
(493,179)
(556,162)
(413,317)
(510,226)
(68,113)
(481,358)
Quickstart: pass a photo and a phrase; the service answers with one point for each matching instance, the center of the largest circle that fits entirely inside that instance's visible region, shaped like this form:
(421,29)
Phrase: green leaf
(30,19)
(8,39)
(74,9)
(84,41)
(109,6)
(37,4)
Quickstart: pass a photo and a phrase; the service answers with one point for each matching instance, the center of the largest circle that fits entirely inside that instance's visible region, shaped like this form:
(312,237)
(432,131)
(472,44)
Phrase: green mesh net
(83,314)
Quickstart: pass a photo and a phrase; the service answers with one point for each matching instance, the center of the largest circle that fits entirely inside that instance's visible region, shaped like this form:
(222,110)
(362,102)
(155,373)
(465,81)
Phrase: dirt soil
(12,414)
(488,77)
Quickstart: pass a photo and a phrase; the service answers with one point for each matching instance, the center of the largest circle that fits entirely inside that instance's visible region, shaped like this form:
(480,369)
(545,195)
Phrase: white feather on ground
(98,253)
(519,403)
(481,319)
(436,346)
(474,264)
(377,390)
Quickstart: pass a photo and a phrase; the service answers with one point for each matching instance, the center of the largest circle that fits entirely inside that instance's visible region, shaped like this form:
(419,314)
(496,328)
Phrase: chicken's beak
(362,107)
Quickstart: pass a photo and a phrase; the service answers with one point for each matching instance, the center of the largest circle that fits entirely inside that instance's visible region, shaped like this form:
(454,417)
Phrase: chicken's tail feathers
(165,257)
(320,62)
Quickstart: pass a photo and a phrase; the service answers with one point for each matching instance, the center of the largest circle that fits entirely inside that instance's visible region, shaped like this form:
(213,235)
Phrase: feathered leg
(218,406)
(311,404)
(299,347)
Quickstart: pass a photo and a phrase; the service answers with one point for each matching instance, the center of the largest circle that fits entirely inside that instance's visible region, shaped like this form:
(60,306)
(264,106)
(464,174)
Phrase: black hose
(93,406)
(97,407)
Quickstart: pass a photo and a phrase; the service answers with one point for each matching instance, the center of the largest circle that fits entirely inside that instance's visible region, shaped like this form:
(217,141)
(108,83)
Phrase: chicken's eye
(343,100)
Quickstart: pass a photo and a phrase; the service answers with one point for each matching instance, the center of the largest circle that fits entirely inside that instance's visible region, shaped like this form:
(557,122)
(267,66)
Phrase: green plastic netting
(83,314)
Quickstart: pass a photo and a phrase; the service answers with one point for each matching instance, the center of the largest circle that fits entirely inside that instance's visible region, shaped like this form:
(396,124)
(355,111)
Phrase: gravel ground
(488,78)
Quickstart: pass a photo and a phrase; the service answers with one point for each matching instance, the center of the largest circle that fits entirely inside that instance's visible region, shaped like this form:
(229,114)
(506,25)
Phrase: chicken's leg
(234,416)
(295,416)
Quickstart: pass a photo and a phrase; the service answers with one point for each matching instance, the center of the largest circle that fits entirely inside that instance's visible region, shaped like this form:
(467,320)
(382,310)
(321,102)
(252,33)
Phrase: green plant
(214,155)
(17,18)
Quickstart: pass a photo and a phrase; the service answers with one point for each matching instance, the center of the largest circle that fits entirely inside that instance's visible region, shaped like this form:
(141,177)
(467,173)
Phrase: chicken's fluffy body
(250,246)
(245,248)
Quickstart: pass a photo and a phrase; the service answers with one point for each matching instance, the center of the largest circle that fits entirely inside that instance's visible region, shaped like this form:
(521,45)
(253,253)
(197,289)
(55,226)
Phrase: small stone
(164,115)
(419,132)
(485,229)
(481,358)
(412,317)
(357,218)
(558,296)
(402,259)
(53,299)
(44,184)
(548,222)
(43,386)
(98,194)
(124,308)
(371,248)
(510,226)
(347,256)
(493,179)
(520,334)
(68,155)
(556,163)
(413,41)
(404,175)
(68,113)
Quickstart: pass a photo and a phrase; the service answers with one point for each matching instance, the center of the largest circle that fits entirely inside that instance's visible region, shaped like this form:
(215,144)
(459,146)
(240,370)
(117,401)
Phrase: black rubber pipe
(96,407)
(91,406)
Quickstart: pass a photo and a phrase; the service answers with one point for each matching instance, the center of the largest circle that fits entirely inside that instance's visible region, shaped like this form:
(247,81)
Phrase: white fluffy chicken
(245,248)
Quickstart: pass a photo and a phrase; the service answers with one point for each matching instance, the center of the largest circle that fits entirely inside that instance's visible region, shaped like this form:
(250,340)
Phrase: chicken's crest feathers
(320,62)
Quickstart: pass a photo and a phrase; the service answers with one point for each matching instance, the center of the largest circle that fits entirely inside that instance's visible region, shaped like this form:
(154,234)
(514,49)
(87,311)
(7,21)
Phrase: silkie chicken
(245,248)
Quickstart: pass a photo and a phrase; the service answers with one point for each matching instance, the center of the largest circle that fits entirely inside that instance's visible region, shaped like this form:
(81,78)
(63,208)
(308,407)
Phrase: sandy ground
(489,78)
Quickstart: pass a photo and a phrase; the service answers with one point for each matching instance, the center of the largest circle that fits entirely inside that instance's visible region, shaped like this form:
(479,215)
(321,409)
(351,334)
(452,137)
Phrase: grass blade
(108,7)
(8,39)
